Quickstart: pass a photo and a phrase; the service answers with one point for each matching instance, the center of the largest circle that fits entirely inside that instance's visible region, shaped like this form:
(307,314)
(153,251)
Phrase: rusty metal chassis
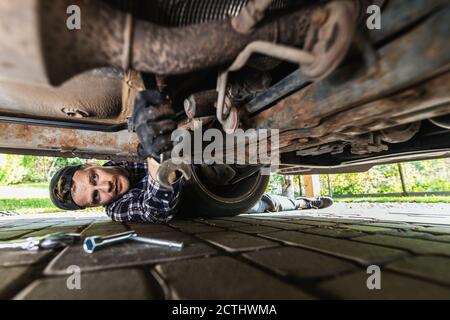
(408,82)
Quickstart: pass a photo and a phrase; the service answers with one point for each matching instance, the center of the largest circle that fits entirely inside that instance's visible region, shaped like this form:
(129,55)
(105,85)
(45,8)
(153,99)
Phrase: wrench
(49,241)
(167,168)
(94,243)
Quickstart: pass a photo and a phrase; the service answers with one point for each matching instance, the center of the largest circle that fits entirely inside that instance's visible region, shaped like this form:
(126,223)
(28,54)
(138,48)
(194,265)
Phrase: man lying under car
(128,190)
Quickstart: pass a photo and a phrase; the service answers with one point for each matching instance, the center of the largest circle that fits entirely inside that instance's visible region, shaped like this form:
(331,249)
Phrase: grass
(32,206)
(428,199)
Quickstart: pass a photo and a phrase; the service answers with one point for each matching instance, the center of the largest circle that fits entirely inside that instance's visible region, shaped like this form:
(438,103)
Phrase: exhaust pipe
(110,37)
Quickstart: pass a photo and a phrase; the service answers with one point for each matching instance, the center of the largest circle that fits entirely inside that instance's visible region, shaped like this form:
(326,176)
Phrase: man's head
(88,185)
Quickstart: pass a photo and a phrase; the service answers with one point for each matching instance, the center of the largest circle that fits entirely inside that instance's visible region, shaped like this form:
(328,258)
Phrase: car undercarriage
(343,96)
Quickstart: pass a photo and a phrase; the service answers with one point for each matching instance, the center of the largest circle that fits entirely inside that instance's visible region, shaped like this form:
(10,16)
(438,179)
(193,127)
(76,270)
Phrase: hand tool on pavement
(49,241)
(94,243)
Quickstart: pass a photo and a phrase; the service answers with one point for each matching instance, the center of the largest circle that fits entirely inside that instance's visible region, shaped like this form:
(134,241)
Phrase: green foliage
(36,168)
(2,172)
(275,183)
(59,163)
(12,170)
(426,176)
(427,199)
(420,176)
(380,179)
(15,169)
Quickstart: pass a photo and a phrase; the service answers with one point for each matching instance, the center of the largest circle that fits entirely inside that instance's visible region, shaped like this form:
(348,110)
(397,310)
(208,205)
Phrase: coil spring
(181,13)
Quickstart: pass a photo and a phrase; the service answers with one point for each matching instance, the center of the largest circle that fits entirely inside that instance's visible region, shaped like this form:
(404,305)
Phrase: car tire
(200,199)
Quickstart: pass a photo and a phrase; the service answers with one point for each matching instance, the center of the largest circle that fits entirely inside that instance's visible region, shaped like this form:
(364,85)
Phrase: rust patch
(118,145)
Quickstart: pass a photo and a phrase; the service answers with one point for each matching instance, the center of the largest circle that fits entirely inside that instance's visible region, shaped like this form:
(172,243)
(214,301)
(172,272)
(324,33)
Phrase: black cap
(61,188)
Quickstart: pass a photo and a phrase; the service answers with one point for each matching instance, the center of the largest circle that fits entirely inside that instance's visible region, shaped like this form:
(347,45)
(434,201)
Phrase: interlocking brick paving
(299,263)
(108,285)
(12,278)
(104,228)
(244,257)
(43,232)
(223,278)
(443,238)
(235,241)
(437,230)
(363,253)
(427,267)
(225,223)
(254,229)
(10,257)
(76,223)
(388,225)
(273,224)
(314,223)
(367,228)
(413,234)
(195,227)
(22,225)
(334,232)
(414,245)
(150,228)
(393,286)
(10,235)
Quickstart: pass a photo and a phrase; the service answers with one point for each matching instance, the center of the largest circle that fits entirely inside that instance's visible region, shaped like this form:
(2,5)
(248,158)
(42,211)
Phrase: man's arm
(153,121)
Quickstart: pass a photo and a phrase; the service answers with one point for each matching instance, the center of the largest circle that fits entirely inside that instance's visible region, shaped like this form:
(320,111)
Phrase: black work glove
(153,121)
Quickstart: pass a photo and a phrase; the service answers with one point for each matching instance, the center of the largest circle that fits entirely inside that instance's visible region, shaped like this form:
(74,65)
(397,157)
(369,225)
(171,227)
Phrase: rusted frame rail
(28,139)
(347,103)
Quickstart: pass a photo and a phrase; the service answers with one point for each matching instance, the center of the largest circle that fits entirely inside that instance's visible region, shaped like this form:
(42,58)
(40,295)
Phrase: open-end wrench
(167,168)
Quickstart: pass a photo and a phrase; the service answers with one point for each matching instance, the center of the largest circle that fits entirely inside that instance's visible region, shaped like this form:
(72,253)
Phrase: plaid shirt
(146,201)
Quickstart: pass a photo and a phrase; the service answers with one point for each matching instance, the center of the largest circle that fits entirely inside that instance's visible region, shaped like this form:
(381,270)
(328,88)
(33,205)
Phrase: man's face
(96,186)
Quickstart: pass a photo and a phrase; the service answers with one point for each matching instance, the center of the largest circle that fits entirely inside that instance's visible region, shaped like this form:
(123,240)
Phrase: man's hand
(153,167)
(153,121)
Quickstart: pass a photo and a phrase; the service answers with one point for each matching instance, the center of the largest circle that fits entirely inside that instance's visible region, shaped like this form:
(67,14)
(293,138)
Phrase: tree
(15,169)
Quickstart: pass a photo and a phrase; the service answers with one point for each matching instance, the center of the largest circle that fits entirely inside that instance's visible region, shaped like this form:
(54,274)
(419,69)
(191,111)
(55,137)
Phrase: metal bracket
(328,40)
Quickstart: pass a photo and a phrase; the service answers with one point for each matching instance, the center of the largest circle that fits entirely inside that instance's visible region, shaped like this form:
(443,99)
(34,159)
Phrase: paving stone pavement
(244,257)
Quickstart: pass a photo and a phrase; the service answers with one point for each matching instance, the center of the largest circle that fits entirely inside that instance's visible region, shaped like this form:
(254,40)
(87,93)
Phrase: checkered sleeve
(152,203)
